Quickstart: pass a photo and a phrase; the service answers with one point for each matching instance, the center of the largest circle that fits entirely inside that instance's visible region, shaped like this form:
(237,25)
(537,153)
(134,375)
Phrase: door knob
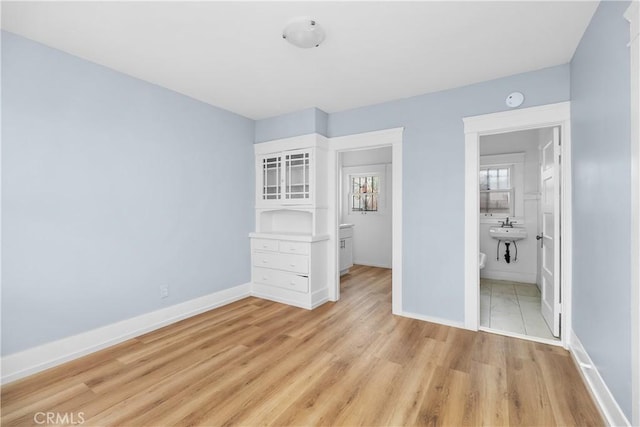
(539,237)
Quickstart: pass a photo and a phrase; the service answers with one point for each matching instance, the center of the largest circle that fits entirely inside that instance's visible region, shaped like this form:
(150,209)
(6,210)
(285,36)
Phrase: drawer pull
(292,283)
(265,246)
(292,249)
(264,278)
(292,265)
(264,261)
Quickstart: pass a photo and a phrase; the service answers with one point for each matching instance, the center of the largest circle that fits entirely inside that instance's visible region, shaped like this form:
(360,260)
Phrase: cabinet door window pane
(364,193)
(297,176)
(271,170)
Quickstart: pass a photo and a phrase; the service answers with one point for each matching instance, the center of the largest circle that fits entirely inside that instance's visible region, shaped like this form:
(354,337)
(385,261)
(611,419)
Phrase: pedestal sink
(508,233)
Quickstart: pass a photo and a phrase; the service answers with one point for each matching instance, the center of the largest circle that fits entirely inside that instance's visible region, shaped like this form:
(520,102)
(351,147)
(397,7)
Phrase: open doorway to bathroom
(519,213)
(554,198)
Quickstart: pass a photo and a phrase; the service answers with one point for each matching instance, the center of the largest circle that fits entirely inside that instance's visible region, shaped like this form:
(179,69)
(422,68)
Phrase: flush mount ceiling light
(303,32)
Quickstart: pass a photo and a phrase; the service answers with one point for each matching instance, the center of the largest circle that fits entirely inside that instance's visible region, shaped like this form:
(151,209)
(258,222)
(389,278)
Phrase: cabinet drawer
(266,259)
(264,245)
(280,279)
(294,248)
(293,263)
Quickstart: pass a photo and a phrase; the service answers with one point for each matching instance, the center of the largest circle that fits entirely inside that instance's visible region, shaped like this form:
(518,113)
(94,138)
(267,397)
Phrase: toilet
(482,259)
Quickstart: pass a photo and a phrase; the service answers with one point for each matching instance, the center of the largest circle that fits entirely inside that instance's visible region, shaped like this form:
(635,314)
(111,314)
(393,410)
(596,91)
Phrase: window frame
(376,193)
(514,161)
(378,170)
(511,190)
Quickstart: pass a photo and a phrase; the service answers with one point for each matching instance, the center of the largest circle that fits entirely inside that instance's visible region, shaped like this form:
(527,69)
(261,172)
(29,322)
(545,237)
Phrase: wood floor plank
(529,403)
(488,398)
(256,362)
(566,397)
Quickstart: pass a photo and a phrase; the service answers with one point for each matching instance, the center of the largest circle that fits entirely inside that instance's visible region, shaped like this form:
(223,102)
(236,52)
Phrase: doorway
(519,290)
(366,141)
(365,207)
(554,222)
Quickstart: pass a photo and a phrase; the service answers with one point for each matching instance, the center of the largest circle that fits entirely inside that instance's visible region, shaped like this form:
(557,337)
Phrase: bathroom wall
(601,153)
(525,268)
(112,187)
(372,231)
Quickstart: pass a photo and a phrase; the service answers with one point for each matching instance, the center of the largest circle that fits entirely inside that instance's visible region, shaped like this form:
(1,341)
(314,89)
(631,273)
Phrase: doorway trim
(362,141)
(509,121)
(632,15)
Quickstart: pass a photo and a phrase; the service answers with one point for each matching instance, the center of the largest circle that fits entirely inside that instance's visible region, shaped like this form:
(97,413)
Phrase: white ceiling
(231,54)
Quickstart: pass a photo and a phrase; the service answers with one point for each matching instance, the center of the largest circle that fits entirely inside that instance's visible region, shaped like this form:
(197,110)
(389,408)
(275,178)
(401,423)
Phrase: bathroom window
(364,194)
(496,192)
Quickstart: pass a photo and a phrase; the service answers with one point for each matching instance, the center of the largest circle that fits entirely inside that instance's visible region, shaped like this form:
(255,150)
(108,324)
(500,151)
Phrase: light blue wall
(433,177)
(600,125)
(311,120)
(112,187)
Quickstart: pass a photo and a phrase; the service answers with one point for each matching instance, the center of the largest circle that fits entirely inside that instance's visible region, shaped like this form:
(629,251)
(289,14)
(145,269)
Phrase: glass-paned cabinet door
(271,177)
(296,165)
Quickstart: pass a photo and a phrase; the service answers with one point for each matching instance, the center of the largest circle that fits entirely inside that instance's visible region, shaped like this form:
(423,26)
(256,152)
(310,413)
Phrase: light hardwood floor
(256,362)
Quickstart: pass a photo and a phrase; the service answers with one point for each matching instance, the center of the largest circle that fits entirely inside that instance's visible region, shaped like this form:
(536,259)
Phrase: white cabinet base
(297,299)
(290,268)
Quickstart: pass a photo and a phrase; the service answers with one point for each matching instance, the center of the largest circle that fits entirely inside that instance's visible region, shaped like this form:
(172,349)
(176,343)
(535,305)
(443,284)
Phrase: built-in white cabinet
(345,239)
(289,249)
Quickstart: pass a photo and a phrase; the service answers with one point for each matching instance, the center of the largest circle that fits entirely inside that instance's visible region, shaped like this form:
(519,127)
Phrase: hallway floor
(512,307)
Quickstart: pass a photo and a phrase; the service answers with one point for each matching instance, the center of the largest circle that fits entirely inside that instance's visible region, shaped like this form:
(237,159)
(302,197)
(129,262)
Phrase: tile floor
(513,307)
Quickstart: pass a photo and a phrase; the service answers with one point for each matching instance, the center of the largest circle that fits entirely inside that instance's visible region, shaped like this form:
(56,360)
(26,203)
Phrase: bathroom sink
(508,233)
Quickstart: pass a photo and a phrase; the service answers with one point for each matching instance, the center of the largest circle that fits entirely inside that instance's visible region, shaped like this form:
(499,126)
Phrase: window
(364,193)
(496,192)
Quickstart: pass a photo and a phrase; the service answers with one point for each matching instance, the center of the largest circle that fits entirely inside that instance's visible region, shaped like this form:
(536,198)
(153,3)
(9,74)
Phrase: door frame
(510,121)
(632,14)
(363,141)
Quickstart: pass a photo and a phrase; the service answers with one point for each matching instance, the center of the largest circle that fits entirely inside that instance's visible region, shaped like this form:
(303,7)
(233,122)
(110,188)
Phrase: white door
(550,267)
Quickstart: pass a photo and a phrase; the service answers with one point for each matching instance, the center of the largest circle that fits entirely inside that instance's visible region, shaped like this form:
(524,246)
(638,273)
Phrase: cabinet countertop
(297,237)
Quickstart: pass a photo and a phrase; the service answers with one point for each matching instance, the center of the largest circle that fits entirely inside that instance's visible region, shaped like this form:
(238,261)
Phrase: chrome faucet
(507,223)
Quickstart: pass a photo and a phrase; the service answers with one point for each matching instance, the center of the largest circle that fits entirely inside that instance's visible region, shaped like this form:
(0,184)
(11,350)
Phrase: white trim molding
(431,319)
(607,404)
(502,122)
(633,16)
(36,359)
(556,343)
(364,141)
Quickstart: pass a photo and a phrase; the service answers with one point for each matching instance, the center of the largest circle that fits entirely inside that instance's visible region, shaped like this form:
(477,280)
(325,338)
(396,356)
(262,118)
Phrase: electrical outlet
(164,291)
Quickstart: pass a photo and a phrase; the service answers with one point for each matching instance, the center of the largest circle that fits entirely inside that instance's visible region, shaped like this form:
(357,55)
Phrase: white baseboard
(607,404)
(319,297)
(433,319)
(36,359)
(286,296)
(508,275)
